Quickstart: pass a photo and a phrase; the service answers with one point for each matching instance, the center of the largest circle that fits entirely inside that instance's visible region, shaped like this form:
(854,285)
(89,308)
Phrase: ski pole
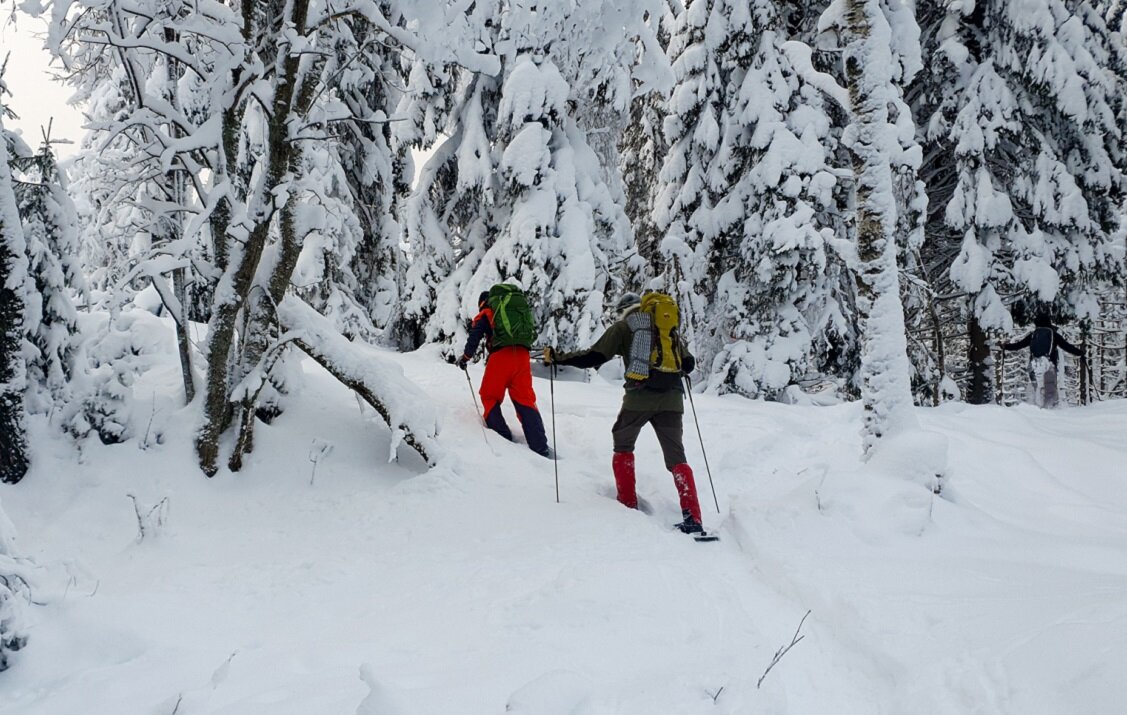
(689,384)
(555,455)
(477,409)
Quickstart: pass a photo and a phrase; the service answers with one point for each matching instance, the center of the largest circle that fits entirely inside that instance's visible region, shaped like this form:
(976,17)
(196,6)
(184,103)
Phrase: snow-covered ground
(355,586)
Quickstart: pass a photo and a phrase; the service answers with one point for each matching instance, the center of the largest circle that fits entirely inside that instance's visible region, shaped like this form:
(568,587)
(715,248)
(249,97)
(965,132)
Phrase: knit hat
(627,300)
(483,299)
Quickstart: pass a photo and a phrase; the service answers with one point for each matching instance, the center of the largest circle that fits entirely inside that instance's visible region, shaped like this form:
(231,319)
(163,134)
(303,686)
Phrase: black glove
(688,364)
(462,362)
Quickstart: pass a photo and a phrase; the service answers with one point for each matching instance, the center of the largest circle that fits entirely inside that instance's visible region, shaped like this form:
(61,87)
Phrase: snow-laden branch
(799,54)
(406,409)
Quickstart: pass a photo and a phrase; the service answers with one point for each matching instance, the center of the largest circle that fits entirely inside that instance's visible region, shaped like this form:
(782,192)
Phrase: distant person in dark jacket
(1044,343)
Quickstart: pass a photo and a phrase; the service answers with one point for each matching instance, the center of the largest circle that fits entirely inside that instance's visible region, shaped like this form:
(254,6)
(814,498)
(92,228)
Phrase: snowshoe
(693,528)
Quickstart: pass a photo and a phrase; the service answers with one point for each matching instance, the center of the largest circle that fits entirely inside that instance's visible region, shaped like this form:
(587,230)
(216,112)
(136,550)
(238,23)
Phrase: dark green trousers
(667,426)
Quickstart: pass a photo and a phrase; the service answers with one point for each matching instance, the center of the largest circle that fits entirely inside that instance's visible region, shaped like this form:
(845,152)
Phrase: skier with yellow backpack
(646,337)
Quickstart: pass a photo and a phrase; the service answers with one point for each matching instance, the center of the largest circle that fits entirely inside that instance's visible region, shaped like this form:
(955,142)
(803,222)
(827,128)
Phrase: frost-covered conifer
(50,319)
(1017,122)
(777,288)
(514,190)
(555,216)
(15,289)
(369,79)
(1114,13)
(749,200)
(690,184)
(643,146)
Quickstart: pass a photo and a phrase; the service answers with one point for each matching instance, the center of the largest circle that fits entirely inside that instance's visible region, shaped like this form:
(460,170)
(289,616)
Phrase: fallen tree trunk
(378,381)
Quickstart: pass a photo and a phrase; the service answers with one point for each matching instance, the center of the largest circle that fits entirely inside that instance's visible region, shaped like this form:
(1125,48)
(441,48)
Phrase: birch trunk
(886,391)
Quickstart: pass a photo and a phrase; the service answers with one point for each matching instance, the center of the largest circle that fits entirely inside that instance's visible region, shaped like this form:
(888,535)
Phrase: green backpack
(512,318)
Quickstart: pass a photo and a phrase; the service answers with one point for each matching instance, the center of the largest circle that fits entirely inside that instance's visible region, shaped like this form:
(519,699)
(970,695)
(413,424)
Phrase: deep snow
(365,587)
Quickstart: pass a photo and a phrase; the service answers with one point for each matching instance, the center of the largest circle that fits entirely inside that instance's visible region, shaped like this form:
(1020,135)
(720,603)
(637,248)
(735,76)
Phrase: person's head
(626,301)
(1043,319)
(483,299)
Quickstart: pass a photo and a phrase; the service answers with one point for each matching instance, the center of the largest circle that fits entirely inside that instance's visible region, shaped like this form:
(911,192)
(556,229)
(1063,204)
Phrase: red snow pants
(510,369)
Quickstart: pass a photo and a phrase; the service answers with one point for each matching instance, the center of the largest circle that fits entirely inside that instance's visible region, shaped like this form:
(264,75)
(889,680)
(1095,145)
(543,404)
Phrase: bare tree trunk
(177,182)
(1000,379)
(261,326)
(981,391)
(1086,346)
(236,284)
(940,348)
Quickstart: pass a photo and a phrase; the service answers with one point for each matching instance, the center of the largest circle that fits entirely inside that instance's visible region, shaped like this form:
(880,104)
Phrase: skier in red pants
(506,368)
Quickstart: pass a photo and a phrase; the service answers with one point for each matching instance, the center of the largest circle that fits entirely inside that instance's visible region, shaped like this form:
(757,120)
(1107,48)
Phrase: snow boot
(623,465)
(687,491)
(690,524)
(548,453)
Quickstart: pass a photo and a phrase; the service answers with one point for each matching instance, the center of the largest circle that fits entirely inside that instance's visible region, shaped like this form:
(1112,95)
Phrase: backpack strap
(502,303)
(641,344)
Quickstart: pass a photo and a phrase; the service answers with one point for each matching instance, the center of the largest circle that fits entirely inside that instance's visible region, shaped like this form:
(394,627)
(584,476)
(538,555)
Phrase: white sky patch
(36,96)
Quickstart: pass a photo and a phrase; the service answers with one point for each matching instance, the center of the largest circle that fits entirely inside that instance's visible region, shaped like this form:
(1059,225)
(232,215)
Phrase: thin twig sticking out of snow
(147,522)
(318,450)
(795,639)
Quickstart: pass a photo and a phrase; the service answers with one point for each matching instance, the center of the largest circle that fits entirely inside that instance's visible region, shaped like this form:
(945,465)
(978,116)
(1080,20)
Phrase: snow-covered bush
(14,592)
(120,348)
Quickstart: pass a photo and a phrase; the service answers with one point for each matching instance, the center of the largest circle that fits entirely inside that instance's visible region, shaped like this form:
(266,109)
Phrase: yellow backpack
(659,313)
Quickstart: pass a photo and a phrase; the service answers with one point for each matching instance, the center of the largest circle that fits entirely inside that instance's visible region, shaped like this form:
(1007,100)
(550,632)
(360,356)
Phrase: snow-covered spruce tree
(690,185)
(50,320)
(553,232)
(333,234)
(642,153)
(748,200)
(773,292)
(610,51)
(547,219)
(377,168)
(643,146)
(349,260)
(426,107)
(450,112)
(1016,125)
(875,141)
(1114,13)
(14,292)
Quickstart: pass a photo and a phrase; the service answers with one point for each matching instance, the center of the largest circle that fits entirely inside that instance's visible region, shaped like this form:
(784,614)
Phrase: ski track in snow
(371,588)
